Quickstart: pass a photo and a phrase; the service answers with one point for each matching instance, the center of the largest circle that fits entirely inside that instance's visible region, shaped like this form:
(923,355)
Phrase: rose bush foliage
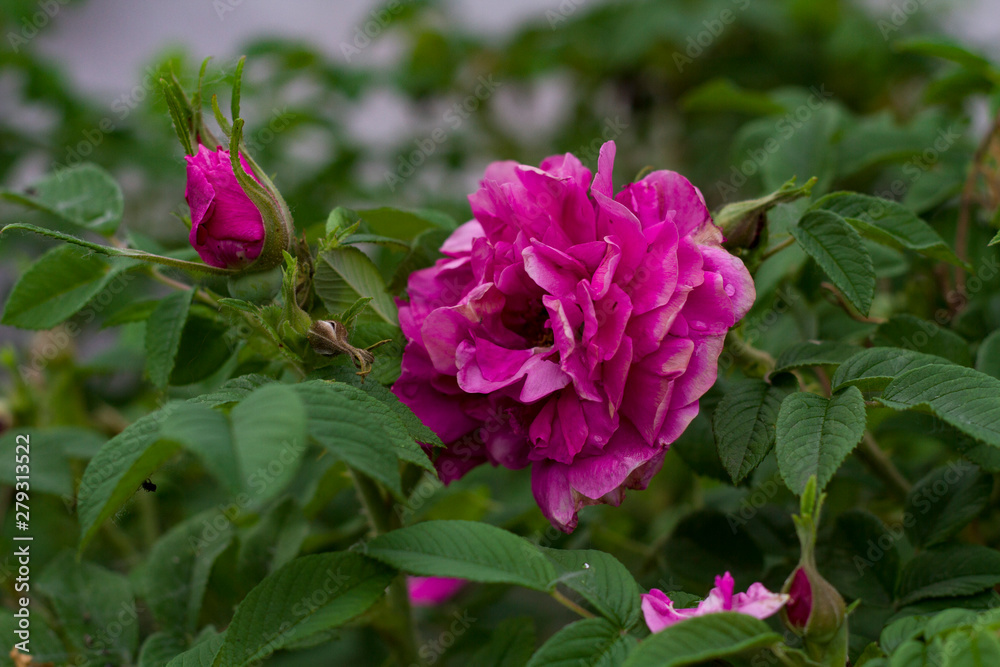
(245,424)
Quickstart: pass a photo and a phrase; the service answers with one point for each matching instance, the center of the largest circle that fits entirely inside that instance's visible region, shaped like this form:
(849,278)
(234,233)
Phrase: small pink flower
(432,591)
(757,602)
(227,229)
(570,329)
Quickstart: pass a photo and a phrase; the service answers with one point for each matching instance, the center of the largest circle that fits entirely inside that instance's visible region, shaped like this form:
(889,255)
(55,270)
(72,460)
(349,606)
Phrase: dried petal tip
(329,338)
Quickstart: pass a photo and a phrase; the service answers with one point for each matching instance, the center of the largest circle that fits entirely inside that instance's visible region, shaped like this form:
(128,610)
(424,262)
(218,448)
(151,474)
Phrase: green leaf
(163,335)
(949,571)
(995,240)
(873,369)
(839,251)
(234,390)
(889,223)
(511,644)
(341,420)
(965,398)
(416,428)
(912,333)
(309,595)
(176,571)
(464,549)
(948,49)
(390,419)
(405,224)
(121,465)
(205,432)
(391,243)
(159,648)
(202,351)
(203,653)
(592,642)
(425,249)
(744,425)
(269,431)
(89,600)
(861,558)
(988,355)
(84,195)
(344,275)
(724,95)
(978,649)
(273,541)
(118,469)
(56,286)
(602,580)
(809,353)
(944,501)
(815,435)
(703,639)
(136,311)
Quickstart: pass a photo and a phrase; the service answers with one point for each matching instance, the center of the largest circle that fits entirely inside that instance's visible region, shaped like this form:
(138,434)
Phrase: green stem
(770,252)
(400,631)
(882,466)
(569,604)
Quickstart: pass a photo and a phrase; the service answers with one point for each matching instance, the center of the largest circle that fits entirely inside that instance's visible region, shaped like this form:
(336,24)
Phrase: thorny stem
(965,207)
(882,466)
(401,632)
(200,294)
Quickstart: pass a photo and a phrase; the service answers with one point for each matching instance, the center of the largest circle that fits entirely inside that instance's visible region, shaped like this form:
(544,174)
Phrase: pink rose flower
(227,230)
(757,602)
(432,591)
(570,329)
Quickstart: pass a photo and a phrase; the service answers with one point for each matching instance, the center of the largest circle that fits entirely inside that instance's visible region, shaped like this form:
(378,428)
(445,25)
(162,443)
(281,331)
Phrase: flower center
(535,331)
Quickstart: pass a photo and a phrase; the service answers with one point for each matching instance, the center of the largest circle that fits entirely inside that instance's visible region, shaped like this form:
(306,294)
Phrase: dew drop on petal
(730,290)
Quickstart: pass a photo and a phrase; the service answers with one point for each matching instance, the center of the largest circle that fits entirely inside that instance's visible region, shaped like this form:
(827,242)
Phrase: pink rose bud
(432,591)
(658,609)
(227,229)
(815,609)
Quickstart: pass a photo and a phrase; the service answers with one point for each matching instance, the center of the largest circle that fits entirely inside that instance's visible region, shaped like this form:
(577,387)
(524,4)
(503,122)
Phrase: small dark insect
(148,486)
(30,191)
